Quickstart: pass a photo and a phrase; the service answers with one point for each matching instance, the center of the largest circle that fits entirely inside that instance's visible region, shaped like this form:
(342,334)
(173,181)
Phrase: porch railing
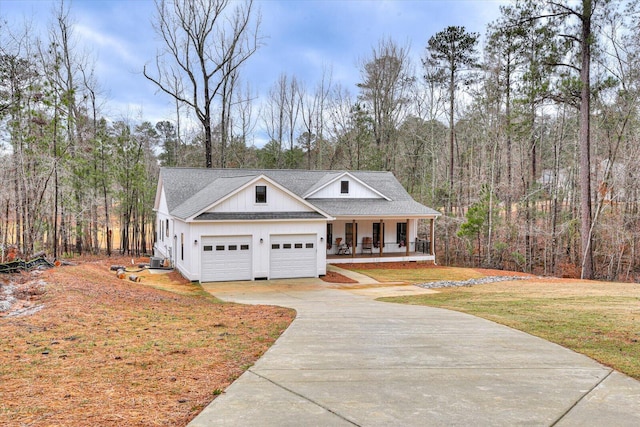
(423,246)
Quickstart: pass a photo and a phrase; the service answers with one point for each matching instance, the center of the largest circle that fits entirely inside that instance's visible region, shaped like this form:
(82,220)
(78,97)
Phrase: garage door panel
(226,258)
(293,256)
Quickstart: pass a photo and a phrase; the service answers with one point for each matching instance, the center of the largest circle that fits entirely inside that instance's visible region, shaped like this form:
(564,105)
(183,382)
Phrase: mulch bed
(333,277)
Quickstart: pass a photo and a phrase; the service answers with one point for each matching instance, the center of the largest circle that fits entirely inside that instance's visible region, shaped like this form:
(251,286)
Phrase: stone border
(470,282)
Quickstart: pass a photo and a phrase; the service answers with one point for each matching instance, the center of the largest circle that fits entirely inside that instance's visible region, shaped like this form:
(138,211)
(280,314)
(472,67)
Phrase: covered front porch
(380,240)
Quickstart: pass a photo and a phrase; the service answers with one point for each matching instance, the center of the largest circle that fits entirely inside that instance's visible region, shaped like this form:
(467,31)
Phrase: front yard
(90,349)
(598,319)
(81,347)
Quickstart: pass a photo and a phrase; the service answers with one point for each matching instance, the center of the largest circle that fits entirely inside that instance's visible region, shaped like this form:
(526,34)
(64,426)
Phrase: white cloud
(303,38)
(106,43)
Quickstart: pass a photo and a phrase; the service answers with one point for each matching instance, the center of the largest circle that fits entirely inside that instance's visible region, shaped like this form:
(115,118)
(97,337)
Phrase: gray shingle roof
(189,191)
(247,216)
(217,189)
(326,179)
(373,207)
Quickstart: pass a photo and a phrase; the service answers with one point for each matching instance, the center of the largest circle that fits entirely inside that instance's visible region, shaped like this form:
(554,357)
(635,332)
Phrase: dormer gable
(344,185)
(261,194)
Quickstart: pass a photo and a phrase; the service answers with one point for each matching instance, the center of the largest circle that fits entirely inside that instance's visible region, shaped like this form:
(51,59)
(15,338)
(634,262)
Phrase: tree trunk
(585,144)
(451,137)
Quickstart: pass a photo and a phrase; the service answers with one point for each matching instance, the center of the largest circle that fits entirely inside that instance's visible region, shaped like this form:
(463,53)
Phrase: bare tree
(385,83)
(312,107)
(281,117)
(70,75)
(205,42)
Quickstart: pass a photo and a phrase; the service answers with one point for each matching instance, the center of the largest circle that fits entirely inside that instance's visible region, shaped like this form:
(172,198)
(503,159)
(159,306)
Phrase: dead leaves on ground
(104,351)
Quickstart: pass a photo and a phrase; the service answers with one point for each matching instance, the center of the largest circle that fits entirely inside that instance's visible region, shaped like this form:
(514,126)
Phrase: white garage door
(226,258)
(293,255)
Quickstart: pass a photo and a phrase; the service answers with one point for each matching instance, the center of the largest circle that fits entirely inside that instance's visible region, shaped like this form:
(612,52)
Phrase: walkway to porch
(376,257)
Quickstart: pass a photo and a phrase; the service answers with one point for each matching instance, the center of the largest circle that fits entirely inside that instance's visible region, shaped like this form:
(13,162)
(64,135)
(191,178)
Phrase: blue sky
(301,37)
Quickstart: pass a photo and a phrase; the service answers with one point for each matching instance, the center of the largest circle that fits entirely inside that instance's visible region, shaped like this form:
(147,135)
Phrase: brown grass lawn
(598,319)
(110,352)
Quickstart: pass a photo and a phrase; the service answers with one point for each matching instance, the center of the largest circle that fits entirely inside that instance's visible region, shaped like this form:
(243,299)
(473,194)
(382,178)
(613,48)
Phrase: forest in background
(528,144)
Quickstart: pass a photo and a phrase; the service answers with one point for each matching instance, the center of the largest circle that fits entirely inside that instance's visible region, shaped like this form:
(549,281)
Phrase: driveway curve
(348,360)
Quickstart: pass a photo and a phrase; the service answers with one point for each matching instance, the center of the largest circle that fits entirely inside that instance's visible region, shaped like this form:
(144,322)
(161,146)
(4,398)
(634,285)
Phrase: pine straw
(333,277)
(112,352)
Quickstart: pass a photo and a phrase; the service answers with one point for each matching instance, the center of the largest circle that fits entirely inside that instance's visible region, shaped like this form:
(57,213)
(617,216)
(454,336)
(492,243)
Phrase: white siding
(162,205)
(190,268)
(183,252)
(356,191)
(163,244)
(245,201)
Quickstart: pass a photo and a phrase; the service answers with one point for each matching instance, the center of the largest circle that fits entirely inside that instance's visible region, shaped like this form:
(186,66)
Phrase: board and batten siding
(260,250)
(356,191)
(162,204)
(245,201)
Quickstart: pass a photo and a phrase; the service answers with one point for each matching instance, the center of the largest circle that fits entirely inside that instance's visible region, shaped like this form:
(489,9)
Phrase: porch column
(354,244)
(407,243)
(381,242)
(432,243)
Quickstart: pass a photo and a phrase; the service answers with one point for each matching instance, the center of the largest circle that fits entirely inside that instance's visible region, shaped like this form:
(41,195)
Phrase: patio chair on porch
(367,245)
(343,248)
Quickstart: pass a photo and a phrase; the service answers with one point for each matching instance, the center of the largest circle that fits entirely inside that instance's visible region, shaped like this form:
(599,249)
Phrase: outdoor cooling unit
(155,262)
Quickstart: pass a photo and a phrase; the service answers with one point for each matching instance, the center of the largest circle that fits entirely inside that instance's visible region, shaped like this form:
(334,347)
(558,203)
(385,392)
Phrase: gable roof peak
(331,178)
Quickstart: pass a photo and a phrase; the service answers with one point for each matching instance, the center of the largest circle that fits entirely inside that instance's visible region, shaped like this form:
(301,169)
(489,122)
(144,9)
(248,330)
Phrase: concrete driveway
(348,360)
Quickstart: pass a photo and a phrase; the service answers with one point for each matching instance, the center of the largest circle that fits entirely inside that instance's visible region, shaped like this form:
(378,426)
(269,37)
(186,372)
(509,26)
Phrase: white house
(241,224)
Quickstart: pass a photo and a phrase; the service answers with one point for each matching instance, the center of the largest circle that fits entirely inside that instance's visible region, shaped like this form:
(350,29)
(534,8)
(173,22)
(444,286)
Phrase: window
(378,235)
(166,230)
(275,246)
(298,245)
(261,194)
(286,246)
(207,248)
(401,233)
(182,246)
(219,247)
(329,236)
(349,235)
(344,187)
(244,247)
(309,245)
(233,247)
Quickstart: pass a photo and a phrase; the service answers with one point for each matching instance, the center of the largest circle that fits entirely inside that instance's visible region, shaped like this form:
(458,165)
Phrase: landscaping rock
(470,282)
